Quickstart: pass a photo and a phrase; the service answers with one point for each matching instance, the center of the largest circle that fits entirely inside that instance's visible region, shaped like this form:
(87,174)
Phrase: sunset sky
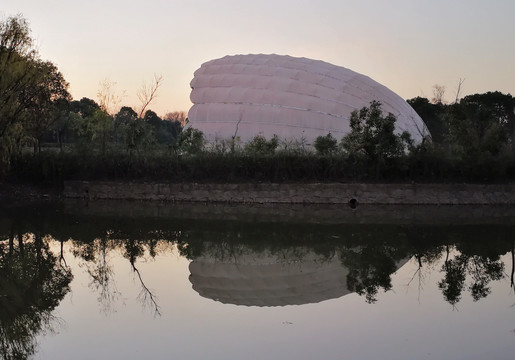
(407,45)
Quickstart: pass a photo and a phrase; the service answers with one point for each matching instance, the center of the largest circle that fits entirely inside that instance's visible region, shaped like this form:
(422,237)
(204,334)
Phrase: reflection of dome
(294,98)
(256,279)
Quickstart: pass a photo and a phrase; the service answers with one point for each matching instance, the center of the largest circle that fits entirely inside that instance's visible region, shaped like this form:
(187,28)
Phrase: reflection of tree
(134,250)
(481,270)
(32,283)
(96,260)
(97,254)
(424,254)
(371,252)
(453,282)
(370,268)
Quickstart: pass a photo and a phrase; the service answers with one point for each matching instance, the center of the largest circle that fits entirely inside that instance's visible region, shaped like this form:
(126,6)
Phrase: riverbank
(10,192)
(332,193)
(296,193)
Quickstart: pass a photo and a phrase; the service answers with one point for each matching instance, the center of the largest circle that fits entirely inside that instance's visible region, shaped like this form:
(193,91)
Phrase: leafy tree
(325,145)
(17,74)
(85,107)
(29,90)
(433,116)
(42,110)
(93,129)
(135,133)
(17,71)
(122,121)
(191,141)
(500,108)
(372,136)
(139,135)
(474,130)
(179,116)
(64,119)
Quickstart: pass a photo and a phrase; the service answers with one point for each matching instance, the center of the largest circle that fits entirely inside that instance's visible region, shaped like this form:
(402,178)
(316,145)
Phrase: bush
(260,146)
(325,145)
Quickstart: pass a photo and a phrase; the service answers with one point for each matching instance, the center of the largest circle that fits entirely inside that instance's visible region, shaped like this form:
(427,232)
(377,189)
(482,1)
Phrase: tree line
(472,139)
(36,107)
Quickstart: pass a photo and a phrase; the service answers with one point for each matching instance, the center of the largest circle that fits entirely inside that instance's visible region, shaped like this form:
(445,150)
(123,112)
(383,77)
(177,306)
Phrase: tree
(191,141)
(17,55)
(108,100)
(372,135)
(433,116)
(501,108)
(17,73)
(42,110)
(475,130)
(148,93)
(64,121)
(92,126)
(325,145)
(29,90)
(438,94)
(179,116)
(85,107)
(140,134)
(122,122)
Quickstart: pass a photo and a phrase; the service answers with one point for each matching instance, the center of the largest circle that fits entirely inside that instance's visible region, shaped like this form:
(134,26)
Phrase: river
(132,280)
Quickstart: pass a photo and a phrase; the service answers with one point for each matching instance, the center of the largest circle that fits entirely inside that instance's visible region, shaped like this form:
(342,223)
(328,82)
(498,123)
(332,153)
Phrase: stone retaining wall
(336,193)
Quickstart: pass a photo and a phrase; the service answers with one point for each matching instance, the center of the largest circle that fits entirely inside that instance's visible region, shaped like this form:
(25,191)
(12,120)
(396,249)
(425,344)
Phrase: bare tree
(438,94)
(148,93)
(146,295)
(108,100)
(458,90)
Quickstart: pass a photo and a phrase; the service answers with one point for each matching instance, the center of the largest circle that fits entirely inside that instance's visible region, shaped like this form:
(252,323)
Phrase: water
(114,280)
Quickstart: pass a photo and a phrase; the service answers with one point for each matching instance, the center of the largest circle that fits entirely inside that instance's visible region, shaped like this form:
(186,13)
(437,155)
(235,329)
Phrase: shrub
(325,145)
(260,146)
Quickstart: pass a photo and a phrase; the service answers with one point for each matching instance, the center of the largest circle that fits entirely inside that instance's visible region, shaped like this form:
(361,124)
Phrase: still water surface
(117,281)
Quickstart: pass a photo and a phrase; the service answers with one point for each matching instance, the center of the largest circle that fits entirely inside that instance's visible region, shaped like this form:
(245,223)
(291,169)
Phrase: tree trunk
(60,140)
(11,242)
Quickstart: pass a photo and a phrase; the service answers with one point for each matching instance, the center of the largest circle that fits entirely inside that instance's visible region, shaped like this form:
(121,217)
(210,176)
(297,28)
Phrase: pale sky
(407,45)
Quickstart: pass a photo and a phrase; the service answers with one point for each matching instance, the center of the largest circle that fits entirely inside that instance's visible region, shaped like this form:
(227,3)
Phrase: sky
(407,45)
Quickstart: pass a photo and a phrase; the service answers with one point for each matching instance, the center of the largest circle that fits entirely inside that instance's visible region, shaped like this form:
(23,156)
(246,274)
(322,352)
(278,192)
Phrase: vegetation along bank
(48,138)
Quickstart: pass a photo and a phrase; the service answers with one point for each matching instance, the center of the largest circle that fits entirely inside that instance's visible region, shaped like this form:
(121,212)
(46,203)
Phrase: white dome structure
(243,96)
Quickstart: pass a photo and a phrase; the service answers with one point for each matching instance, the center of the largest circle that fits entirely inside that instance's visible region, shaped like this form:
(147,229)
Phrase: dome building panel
(293,98)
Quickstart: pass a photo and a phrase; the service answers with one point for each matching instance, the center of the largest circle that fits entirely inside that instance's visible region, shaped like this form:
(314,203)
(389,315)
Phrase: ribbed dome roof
(293,98)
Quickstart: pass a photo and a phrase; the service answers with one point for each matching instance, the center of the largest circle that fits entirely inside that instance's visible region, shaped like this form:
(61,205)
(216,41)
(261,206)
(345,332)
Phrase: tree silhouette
(480,269)
(370,269)
(32,284)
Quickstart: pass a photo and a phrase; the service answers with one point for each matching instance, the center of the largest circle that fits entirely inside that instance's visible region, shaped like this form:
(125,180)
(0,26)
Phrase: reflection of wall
(254,279)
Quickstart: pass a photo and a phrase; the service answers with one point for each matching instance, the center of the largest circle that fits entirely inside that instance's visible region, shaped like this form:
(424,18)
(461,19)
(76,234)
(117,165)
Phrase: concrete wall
(448,194)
